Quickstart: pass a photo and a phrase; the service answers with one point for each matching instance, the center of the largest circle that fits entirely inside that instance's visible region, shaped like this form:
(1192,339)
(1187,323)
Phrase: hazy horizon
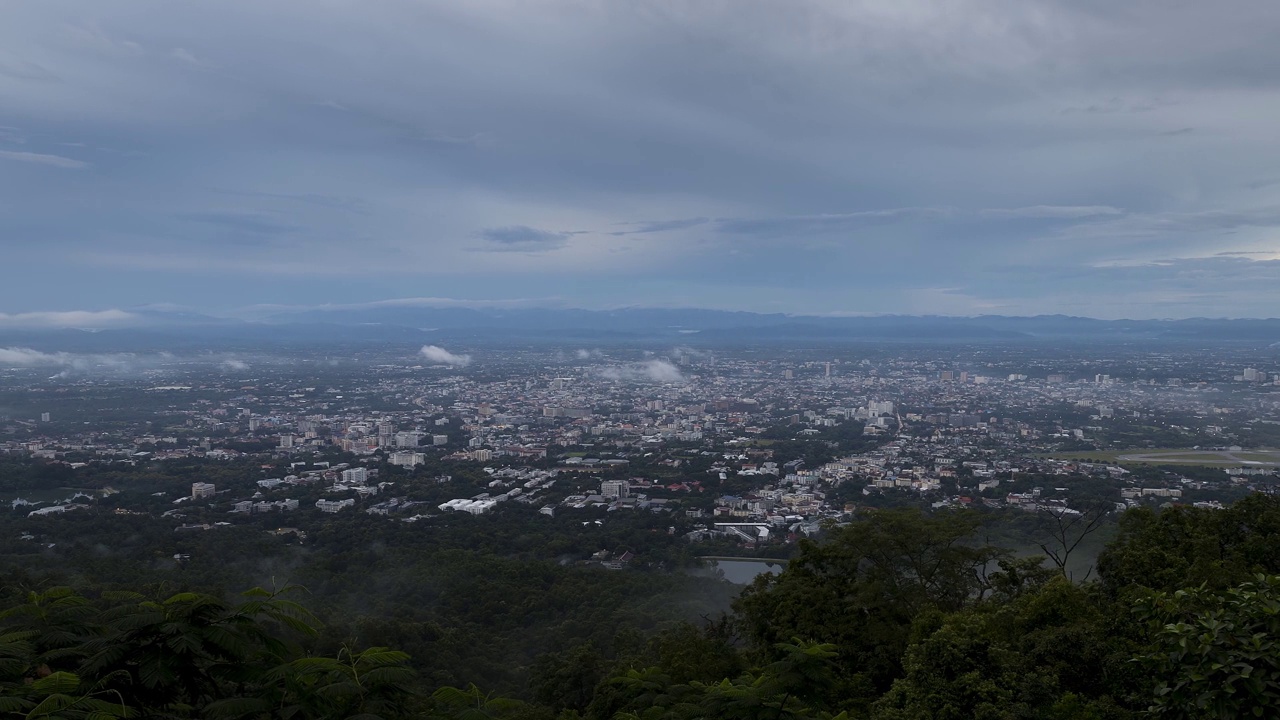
(410,312)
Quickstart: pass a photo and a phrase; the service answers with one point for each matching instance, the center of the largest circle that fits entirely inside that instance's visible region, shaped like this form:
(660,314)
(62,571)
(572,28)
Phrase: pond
(742,572)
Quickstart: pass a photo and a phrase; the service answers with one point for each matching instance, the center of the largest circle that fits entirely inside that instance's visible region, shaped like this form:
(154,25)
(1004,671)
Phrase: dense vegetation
(898,615)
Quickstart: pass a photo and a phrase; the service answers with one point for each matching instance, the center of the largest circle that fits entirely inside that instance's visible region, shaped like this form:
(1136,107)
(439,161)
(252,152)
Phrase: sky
(954,157)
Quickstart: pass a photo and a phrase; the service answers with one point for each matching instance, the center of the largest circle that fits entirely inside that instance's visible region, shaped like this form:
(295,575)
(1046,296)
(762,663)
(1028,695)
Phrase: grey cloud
(791,124)
(524,238)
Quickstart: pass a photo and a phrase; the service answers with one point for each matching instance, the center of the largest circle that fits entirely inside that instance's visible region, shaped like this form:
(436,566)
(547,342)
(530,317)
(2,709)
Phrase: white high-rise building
(203,490)
(355,476)
(286,441)
(615,488)
(876,408)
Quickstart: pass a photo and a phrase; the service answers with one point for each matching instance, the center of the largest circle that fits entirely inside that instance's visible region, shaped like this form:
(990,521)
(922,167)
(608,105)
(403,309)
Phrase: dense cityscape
(756,447)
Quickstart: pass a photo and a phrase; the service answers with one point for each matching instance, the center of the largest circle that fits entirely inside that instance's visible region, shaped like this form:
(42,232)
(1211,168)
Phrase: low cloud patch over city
(440,356)
(81,363)
(650,371)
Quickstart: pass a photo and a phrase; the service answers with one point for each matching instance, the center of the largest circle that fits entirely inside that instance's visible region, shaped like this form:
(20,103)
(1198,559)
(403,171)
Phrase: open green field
(1177,456)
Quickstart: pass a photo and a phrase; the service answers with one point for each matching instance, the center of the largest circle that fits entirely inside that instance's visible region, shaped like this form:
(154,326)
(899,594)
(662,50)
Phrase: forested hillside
(898,615)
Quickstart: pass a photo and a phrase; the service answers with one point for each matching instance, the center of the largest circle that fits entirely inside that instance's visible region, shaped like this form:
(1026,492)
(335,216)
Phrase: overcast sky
(1088,157)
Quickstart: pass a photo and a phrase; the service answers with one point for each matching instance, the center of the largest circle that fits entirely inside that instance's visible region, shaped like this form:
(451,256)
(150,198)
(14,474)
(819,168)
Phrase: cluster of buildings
(947,429)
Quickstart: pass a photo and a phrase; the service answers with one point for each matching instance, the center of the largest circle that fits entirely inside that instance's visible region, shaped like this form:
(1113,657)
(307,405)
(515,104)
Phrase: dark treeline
(897,615)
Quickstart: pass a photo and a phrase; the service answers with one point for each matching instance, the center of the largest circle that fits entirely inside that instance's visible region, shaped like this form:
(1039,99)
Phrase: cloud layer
(77,363)
(815,156)
(651,371)
(68,319)
(440,356)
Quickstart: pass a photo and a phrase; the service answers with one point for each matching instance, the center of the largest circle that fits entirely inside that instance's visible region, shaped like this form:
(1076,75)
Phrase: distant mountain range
(393,324)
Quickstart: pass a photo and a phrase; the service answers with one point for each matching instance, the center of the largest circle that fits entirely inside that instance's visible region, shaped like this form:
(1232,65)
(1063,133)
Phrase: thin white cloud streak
(1052,212)
(68,319)
(57,161)
(439,355)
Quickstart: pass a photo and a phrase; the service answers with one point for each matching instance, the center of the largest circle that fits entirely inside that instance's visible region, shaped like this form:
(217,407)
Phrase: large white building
(355,476)
(876,408)
(407,459)
(202,490)
(475,507)
(615,488)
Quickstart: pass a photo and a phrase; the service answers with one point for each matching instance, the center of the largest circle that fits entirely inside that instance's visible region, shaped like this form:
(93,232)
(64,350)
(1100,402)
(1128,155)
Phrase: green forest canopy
(899,615)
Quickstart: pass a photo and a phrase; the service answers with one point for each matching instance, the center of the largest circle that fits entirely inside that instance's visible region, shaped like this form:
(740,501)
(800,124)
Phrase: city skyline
(820,158)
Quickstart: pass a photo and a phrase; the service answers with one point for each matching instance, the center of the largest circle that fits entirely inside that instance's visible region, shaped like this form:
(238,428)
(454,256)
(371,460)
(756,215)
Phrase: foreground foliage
(896,616)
